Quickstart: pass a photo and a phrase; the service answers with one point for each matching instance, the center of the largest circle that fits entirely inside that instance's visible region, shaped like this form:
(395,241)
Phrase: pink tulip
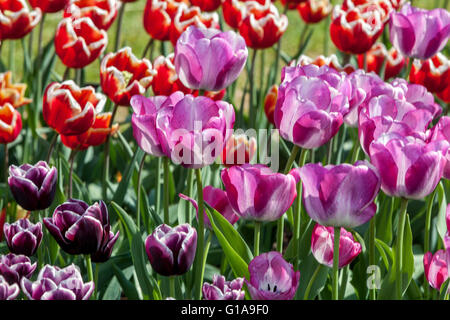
(435,267)
(442,132)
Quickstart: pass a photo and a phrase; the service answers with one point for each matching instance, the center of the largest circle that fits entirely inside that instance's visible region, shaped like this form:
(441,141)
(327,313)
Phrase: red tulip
(102,12)
(206,5)
(433,73)
(10,123)
(166,81)
(158,17)
(238,150)
(12,93)
(444,95)
(16,20)
(69,109)
(214,95)
(94,136)
(233,12)
(270,102)
(331,61)
(375,58)
(292,4)
(49,6)
(79,42)
(313,11)
(122,76)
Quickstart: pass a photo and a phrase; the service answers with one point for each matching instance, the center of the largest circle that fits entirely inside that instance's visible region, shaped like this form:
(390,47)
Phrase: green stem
(96,279)
(311,282)
(166,191)
(52,147)
(190,180)
(41,32)
(291,159)
(298,213)
(71,162)
(399,251)
(344,281)
(138,213)
(172,286)
(408,68)
(106,159)
(251,77)
(119,27)
(257,237)
(335,288)
(373,292)
(201,237)
(355,154)
(426,243)
(6,167)
(158,186)
(90,274)
(147,47)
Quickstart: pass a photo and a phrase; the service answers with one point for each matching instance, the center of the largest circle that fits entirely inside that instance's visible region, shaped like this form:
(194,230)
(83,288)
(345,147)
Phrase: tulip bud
(223,290)
(8,291)
(436,269)
(10,123)
(314,11)
(270,102)
(238,150)
(23,237)
(15,267)
(13,93)
(171,251)
(16,20)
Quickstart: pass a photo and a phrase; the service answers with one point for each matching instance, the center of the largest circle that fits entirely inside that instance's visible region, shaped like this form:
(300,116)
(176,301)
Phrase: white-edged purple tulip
(223,290)
(15,267)
(23,237)
(8,291)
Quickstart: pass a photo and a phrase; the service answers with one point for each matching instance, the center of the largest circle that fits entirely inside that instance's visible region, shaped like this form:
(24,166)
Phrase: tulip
(101,12)
(257,193)
(218,199)
(49,6)
(311,104)
(23,237)
(330,61)
(340,195)
(10,123)
(322,242)
(442,132)
(272,278)
(8,291)
(314,11)
(81,229)
(12,93)
(206,5)
(262,26)
(378,56)
(444,95)
(2,222)
(433,73)
(123,76)
(409,167)
(33,186)
(16,20)
(270,102)
(436,269)
(171,251)
(15,267)
(69,109)
(234,12)
(292,4)
(166,81)
(79,42)
(223,290)
(54,283)
(158,17)
(94,136)
(419,33)
(208,59)
(238,150)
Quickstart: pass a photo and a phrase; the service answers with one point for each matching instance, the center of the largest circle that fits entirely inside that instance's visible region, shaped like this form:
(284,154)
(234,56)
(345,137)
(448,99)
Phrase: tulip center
(127,76)
(272,288)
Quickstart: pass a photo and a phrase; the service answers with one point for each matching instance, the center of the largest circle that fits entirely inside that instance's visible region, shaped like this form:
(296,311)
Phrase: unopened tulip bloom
(81,229)
(270,102)
(436,269)
(272,278)
(23,237)
(15,267)
(49,6)
(218,199)
(322,246)
(33,186)
(442,132)
(101,12)
(122,76)
(79,42)
(171,251)
(10,123)
(378,56)
(158,17)
(208,59)
(433,73)
(16,19)
(257,193)
(223,290)
(311,104)
(409,167)
(8,291)
(13,93)
(238,150)
(69,109)
(54,283)
(331,61)
(314,11)
(340,195)
(419,33)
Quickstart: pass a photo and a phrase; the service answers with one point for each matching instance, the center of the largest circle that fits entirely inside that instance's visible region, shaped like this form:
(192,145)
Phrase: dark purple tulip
(223,290)
(171,251)
(15,267)
(33,187)
(8,291)
(54,283)
(82,229)
(23,237)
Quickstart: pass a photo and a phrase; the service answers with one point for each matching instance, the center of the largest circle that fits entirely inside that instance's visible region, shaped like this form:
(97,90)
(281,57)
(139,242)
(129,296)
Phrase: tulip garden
(224,150)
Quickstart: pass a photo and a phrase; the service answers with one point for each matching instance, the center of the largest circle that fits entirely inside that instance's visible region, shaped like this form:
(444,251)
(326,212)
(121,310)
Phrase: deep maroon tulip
(15,267)
(8,291)
(272,278)
(54,283)
(23,237)
(33,187)
(223,290)
(171,251)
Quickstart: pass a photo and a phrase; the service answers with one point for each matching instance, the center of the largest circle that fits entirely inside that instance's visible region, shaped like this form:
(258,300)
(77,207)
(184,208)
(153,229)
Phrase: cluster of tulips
(388,99)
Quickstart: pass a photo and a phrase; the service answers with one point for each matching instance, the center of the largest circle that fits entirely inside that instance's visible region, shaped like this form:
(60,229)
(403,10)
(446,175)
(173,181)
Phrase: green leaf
(127,286)
(308,268)
(137,254)
(384,218)
(127,221)
(385,253)
(442,200)
(444,290)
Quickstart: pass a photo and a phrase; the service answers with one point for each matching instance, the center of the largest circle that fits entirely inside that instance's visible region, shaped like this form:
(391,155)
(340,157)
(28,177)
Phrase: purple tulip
(419,33)
(442,132)
(322,246)
(257,193)
(15,267)
(436,269)
(82,229)
(54,283)
(23,237)
(208,59)
(33,187)
(311,104)
(218,199)
(8,291)
(339,195)
(272,278)
(192,131)
(223,290)
(171,251)
(409,167)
